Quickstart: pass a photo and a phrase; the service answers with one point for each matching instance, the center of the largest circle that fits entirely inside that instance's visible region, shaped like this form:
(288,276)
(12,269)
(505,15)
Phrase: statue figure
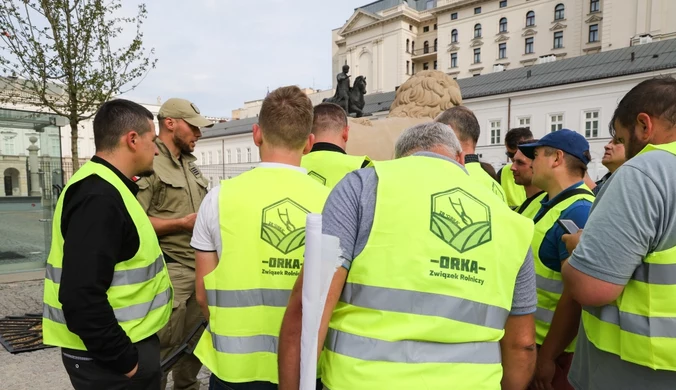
(350,98)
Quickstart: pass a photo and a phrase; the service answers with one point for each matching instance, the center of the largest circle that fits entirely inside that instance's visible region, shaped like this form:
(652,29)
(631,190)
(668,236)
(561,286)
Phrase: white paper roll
(312,278)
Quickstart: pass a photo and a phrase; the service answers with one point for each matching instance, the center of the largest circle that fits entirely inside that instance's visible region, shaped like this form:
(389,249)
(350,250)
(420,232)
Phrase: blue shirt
(553,251)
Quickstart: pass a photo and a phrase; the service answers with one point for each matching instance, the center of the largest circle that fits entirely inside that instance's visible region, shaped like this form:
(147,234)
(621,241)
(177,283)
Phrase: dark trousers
(217,384)
(86,374)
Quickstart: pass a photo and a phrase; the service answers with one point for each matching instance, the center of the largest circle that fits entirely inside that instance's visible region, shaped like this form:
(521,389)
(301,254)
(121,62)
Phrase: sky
(221,53)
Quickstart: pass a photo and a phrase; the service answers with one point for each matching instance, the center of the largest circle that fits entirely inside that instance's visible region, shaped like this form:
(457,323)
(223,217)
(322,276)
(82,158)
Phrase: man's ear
(131,140)
(309,144)
(645,127)
(559,158)
(460,158)
(346,133)
(257,135)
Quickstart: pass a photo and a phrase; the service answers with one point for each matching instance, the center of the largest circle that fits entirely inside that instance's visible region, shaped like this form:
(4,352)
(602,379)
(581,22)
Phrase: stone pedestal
(34,167)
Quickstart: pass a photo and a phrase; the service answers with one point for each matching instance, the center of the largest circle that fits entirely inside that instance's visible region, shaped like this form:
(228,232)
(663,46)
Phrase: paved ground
(39,369)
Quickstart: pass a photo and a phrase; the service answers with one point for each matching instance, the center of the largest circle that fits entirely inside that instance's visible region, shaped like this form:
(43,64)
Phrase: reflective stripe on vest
(120,277)
(530,207)
(515,193)
(329,167)
(140,294)
(640,326)
(409,351)
(427,299)
(129,313)
(477,172)
(256,270)
(549,282)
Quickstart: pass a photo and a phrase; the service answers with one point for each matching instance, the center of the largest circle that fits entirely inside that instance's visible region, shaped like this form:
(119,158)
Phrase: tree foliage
(60,55)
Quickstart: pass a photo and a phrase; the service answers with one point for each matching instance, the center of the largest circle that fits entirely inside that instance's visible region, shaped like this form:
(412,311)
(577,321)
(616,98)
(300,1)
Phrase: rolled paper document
(322,258)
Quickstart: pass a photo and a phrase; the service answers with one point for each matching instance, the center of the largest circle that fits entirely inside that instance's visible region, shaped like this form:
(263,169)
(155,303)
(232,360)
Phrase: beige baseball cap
(183,109)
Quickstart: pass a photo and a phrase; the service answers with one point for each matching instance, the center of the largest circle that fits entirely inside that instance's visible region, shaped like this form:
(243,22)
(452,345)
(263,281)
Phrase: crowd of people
(452,276)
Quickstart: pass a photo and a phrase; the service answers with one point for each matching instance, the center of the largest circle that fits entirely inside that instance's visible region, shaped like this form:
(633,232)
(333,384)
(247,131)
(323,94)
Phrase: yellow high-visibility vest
(328,167)
(515,193)
(425,303)
(140,294)
(262,217)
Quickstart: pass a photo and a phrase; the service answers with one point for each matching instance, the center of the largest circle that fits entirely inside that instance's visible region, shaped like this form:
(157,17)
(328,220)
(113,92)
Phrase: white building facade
(387,41)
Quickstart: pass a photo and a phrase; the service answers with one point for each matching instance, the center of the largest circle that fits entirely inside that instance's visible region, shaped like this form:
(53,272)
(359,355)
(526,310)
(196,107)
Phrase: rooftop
(649,57)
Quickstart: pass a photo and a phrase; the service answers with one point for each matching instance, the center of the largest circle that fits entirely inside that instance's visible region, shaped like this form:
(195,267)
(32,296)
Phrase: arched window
(559,12)
(435,44)
(413,47)
(530,19)
(426,47)
(454,36)
(477,30)
(503,25)
(408,43)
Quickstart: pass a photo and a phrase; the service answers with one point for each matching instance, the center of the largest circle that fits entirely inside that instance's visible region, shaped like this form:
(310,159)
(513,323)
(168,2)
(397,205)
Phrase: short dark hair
(116,118)
(515,135)
(527,141)
(328,116)
(655,97)
(463,121)
(574,165)
(286,117)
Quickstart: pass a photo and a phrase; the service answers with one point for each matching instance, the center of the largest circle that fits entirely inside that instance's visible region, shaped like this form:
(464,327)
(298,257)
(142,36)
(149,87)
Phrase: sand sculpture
(420,99)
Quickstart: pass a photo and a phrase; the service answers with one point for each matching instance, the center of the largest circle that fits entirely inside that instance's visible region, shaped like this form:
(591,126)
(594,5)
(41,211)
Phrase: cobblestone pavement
(38,369)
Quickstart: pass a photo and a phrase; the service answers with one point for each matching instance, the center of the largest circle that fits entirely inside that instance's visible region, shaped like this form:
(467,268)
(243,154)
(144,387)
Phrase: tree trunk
(73,145)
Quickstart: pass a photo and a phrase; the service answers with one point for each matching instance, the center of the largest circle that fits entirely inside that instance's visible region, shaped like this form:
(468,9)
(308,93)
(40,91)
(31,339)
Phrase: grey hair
(426,136)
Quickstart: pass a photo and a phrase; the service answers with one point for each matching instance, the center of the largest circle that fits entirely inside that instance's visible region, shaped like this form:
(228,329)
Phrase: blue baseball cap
(569,141)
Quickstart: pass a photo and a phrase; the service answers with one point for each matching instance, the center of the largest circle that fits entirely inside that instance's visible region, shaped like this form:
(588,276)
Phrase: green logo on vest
(283,225)
(321,179)
(497,190)
(460,219)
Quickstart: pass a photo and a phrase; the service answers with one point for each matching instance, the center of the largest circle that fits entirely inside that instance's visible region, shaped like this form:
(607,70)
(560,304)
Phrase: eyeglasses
(510,154)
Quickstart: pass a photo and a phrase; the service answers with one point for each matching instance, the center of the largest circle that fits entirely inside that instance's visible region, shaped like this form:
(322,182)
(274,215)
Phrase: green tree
(69,56)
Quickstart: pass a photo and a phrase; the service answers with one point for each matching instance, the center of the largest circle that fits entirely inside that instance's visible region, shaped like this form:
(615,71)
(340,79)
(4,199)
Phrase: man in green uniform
(327,162)
(171,197)
(466,127)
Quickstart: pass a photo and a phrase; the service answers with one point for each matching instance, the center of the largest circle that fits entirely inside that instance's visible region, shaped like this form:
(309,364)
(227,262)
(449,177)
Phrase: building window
(426,47)
(555,122)
(435,44)
(477,30)
(495,133)
(80,149)
(211,158)
(594,5)
(408,44)
(203,159)
(248,154)
(503,25)
(502,51)
(413,68)
(435,26)
(524,121)
(591,124)
(454,36)
(219,155)
(429,4)
(435,65)
(413,47)
(559,12)
(9,145)
(426,66)
(530,19)
(503,3)
(594,33)
(454,60)
(558,40)
(56,146)
(408,65)
(239,155)
(410,28)
(426,29)
(529,45)
(477,10)
(477,55)
(228,156)
(454,16)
